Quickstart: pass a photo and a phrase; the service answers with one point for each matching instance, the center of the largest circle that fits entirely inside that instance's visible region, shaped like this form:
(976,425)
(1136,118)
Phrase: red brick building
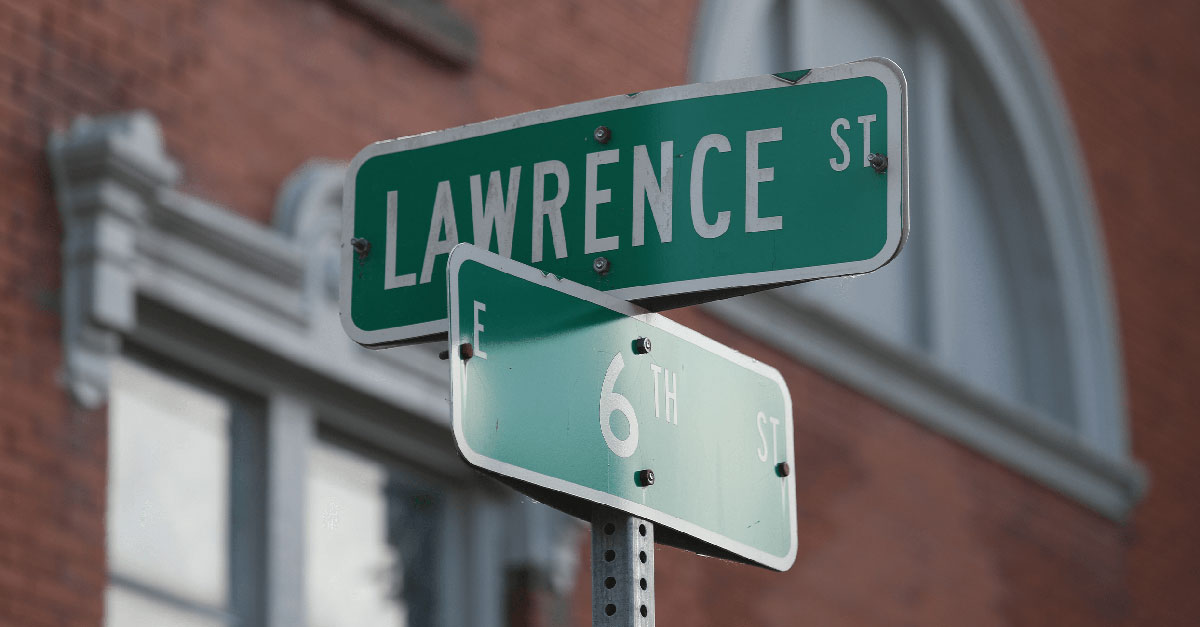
(995,429)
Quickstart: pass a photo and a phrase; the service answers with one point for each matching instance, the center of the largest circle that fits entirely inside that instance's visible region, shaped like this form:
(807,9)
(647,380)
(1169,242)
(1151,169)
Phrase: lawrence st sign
(587,399)
(666,197)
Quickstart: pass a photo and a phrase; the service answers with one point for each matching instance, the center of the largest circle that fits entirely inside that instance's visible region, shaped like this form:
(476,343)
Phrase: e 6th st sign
(667,197)
(557,385)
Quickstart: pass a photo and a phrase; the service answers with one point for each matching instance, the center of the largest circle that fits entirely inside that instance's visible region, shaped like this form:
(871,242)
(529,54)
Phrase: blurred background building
(997,429)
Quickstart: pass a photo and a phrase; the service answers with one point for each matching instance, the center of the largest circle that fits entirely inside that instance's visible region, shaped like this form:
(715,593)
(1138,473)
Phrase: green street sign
(667,198)
(579,398)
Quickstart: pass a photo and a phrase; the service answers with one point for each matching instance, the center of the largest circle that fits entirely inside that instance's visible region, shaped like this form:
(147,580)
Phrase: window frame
(246,489)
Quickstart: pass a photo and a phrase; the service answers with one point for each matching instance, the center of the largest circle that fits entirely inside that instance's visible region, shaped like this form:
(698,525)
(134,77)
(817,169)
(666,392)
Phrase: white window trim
(254,307)
(1092,465)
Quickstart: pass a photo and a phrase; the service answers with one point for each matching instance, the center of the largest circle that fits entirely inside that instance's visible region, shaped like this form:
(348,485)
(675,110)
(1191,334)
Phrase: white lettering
(756,175)
(613,402)
(837,165)
(550,209)
(775,437)
(657,191)
(390,280)
(866,120)
(495,213)
(703,228)
(592,198)
(762,451)
(671,389)
(478,329)
(443,216)
(657,370)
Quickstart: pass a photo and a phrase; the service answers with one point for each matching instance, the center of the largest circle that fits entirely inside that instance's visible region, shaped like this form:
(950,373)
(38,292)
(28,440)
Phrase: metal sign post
(622,569)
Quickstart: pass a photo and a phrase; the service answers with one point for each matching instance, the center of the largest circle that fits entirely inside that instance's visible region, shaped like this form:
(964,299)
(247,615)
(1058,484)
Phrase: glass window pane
(372,542)
(168,489)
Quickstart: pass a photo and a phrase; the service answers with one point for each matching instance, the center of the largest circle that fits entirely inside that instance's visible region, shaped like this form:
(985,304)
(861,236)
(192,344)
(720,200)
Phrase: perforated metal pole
(622,570)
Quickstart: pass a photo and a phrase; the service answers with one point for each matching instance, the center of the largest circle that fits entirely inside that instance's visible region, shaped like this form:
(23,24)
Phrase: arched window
(995,324)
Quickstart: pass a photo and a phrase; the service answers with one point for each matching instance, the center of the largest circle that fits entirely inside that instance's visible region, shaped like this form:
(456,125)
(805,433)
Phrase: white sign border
(467,252)
(882,69)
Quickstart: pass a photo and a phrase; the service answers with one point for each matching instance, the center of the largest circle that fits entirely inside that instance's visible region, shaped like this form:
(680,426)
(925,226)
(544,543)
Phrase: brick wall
(897,525)
(246,91)
(901,527)
(52,455)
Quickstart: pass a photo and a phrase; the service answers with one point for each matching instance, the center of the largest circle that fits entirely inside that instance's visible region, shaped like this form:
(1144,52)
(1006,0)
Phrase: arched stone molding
(1068,427)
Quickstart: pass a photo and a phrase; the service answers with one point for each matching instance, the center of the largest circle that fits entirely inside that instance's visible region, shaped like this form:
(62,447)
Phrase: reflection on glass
(372,543)
(168,502)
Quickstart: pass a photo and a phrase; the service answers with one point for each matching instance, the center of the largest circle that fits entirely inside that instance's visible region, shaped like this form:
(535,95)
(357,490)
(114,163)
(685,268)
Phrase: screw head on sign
(466,351)
(360,245)
(602,134)
(645,478)
(601,265)
(783,469)
(878,161)
(641,346)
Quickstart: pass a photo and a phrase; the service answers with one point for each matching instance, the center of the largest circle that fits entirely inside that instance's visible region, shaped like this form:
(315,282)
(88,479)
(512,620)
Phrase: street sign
(666,197)
(583,398)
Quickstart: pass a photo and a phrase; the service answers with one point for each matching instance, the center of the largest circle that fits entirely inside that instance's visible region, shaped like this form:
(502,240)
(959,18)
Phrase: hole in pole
(642,556)
(611,555)
(642,530)
(609,528)
(610,609)
(644,611)
(643,583)
(612,581)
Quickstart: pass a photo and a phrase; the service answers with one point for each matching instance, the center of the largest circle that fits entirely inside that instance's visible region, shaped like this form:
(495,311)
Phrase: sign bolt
(641,346)
(602,134)
(878,161)
(360,245)
(645,478)
(466,351)
(783,469)
(601,264)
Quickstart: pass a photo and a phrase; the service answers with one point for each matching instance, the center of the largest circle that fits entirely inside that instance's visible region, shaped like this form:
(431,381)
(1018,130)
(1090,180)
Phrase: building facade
(994,429)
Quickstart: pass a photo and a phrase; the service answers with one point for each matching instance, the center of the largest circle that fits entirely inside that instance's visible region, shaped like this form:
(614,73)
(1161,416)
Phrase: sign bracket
(622,569)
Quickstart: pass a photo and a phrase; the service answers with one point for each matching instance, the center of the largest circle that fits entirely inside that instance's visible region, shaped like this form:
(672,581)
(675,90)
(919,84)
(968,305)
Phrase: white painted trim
(1092,465)
(290,430)
(463,253)
(884,70)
